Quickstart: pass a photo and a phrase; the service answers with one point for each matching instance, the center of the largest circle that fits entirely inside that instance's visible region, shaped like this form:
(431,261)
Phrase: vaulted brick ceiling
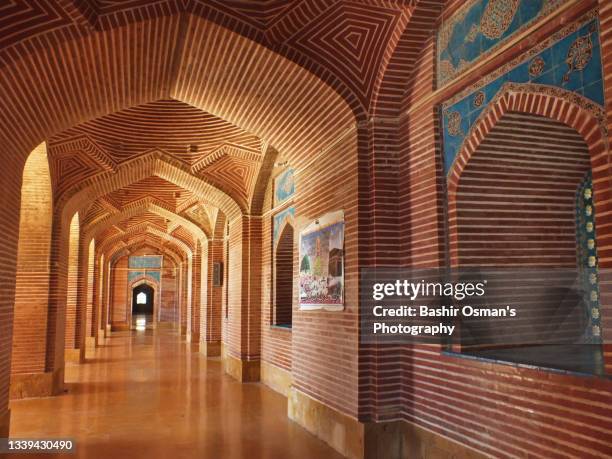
(346,43)
(212,148)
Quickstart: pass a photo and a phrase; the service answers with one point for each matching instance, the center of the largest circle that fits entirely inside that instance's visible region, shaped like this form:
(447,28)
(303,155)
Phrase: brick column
(210,337)
(84,306)
(29,377)
(185,294)
(10,205)
(105,306)
(241,355)
(196,293)
(72,332)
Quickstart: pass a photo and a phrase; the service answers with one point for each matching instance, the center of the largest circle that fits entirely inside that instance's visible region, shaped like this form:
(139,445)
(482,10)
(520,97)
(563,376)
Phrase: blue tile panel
(573,63)
(284,186)
(145,262)
(156,275)
(479,27)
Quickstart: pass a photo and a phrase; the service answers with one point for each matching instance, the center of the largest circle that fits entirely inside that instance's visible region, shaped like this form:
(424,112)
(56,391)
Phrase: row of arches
(85,287)
(313,130)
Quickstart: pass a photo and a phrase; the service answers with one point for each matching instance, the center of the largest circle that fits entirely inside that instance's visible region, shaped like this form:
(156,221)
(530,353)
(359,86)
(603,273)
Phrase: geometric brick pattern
(158,140)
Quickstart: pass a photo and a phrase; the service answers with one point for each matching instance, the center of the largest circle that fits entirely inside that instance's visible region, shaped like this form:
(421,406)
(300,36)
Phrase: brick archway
(284,253)
(586,117)
(151,164)
(144,280)
(149,205)
(109,245)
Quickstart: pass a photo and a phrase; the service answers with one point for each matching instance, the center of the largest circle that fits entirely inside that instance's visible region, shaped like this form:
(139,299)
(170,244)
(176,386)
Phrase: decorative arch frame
(289,220)
(145,205)
(587,118)
(574,110)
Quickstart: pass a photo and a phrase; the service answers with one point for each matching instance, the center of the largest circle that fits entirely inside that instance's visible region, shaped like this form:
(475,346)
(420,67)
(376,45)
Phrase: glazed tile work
(156,275)
(279,219)
(570,60)
(284,186)
(145,262)
(479,27)
(144,265)
(587,254)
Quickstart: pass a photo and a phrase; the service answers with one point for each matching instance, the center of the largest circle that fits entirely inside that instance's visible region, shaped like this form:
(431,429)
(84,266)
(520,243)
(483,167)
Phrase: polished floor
(147,395)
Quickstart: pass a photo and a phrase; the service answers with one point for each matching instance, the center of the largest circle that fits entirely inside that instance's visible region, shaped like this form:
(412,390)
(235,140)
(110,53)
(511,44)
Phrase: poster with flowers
(322,263)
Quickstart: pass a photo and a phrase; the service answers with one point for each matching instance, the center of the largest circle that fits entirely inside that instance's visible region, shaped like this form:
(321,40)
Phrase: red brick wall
(185,297)
(105,298)
(196,292)
(242,326)
(10,191)
(214,300)
(605,21)
(32,282)
(500,183)
(325,344)
(202,280)
(233,311)
(89,316)
(84,307)
(501,410)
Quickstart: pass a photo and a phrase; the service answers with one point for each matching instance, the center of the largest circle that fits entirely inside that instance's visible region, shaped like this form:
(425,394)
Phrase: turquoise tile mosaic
(479,27)
(570,59)
(145,262)
(155,275)
(587,255)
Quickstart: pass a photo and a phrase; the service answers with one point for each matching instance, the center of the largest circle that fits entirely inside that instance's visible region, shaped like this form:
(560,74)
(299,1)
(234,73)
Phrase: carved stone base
(357,440)
(120,326)
(242,370)
(72,356)
(276,378)
(210,348)
(90,347)
(26,385)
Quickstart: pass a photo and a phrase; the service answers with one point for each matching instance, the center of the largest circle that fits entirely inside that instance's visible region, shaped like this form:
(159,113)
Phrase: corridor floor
(147,395)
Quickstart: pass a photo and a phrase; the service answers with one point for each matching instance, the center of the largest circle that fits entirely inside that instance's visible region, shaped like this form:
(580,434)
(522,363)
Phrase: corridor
(201,201)
(147,395)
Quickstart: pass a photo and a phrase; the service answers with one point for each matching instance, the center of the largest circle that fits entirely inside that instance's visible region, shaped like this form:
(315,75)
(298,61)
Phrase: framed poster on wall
(322,263)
